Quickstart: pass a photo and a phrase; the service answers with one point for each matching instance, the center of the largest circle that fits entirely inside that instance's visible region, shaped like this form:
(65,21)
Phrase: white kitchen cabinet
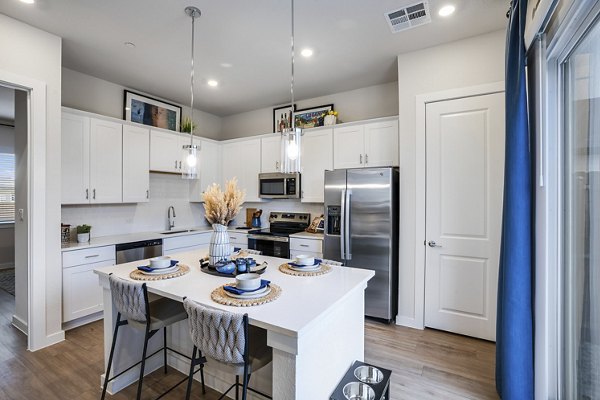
(210,169)
(372,144)
(241,159)
(317,152)
(165,151)
(182,244)
(82,295)
(75,157)
(309,247)
(136,164)
(238,239)
(270,155)
(106,162)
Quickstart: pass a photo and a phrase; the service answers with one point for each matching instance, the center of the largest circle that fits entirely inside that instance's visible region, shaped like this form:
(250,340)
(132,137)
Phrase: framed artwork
(279,114)
(311,117)
(148,111)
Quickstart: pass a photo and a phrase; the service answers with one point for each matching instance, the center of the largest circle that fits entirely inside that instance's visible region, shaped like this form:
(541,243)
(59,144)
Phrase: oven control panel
(282,217)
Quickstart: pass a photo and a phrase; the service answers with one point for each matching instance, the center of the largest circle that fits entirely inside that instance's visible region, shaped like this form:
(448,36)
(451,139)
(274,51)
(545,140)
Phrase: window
(7,187)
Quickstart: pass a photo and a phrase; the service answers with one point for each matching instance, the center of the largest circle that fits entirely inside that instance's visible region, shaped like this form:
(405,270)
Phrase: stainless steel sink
(178,231)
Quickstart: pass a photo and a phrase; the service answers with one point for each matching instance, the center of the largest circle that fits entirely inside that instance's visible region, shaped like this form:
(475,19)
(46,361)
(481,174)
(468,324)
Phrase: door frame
(421,184)
(36,205)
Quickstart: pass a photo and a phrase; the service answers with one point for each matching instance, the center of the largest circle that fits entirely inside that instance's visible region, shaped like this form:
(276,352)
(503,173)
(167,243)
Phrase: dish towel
(232,289)
(147,268)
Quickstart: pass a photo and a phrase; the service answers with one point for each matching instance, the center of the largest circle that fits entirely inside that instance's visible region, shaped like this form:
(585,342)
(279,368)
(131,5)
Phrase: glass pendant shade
(190,162)
(291,145)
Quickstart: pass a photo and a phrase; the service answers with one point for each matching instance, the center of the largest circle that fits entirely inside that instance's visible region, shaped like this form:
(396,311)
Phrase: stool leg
(191,375)
(202,377)
(237,387)
(110,357)
(146,339)
(165,347)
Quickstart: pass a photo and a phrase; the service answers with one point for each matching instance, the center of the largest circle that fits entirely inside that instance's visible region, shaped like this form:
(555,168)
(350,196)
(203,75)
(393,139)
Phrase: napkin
(232,289)
(147,268)
(296,265)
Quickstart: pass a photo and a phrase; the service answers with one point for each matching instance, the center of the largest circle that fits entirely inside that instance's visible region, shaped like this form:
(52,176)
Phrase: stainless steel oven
(275,240)
(279,186)
(274,246)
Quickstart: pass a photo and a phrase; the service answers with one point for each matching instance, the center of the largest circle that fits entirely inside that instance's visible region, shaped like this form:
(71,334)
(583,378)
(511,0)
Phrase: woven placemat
(219,296)
(285,268)
(140,276)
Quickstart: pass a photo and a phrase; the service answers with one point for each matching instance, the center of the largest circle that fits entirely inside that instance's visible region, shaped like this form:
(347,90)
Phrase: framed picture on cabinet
(282,117)
(149,111)
(311,117)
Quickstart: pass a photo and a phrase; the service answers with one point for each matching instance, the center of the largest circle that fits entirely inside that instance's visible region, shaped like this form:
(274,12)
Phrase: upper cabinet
(241,159)
(136,164)
(165,151)
(210,169)
(317,148)
(373,144)
(75,159)
(270,155)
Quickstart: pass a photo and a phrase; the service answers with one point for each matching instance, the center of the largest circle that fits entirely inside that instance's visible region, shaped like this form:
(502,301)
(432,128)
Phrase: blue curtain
(514,330)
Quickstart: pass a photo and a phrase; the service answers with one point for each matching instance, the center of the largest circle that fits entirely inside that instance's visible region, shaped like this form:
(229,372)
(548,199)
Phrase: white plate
(253,295)
(162,271)
(305,269)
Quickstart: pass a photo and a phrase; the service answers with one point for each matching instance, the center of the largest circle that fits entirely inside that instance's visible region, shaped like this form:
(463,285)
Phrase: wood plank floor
(426,365)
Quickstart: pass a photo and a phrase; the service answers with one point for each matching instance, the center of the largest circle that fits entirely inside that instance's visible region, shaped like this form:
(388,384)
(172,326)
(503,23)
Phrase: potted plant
(187,125)
(220,208)
(83,233)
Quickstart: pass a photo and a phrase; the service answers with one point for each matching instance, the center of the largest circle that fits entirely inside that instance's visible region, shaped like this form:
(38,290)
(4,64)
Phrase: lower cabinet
(182,244)
(309,247)
(82,293)
(238,239)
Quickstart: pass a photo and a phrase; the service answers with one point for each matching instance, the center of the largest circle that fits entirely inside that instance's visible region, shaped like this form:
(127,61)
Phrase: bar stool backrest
(220,335)
(129,298)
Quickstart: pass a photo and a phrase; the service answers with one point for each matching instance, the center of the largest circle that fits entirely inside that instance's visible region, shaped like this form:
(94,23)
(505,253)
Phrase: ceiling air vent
(408,17)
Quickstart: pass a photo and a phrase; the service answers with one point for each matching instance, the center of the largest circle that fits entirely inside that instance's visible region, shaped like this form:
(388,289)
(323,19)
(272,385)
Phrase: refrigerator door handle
(343,225)
(347,225)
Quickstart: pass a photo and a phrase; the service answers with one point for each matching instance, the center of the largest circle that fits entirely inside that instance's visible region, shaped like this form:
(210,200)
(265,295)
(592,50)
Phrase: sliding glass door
(580,268)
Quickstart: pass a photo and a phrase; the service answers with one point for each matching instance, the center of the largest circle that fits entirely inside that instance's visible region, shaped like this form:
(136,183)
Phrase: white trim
(19,324)
(36,205)
(420,179)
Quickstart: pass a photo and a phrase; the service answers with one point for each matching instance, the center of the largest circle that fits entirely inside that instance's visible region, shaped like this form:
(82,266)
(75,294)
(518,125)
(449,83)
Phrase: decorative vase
(329,120)
(83,237)
(219,248)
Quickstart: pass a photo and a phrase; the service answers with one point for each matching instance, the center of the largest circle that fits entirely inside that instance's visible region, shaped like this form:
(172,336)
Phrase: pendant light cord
(192,84)
(293,125)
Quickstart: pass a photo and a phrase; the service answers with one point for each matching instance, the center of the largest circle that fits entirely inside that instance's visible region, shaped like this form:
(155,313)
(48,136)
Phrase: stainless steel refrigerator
(361,230)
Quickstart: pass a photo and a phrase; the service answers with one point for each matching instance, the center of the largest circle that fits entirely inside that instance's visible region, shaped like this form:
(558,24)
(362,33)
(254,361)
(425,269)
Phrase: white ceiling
(7,104)
(353,44)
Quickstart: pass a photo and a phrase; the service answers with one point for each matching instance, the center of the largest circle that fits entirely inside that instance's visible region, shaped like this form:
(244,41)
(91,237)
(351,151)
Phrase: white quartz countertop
(308,235)
(136,237)
(304,300)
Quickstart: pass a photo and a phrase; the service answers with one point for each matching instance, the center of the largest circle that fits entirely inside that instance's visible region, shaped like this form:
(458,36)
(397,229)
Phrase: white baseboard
(409,322)
(82,321)
(20,324)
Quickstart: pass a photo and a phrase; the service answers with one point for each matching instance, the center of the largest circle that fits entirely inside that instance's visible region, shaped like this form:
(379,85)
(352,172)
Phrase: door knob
(433,244)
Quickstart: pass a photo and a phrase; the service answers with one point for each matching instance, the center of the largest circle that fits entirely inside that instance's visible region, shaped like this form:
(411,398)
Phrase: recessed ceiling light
(131,45)
(226,65)
(28,1)
(306,52)
(213,83)
(446,10)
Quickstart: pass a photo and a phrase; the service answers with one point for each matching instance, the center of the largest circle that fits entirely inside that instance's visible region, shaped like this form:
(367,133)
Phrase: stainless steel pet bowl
(358,391)
(368,374)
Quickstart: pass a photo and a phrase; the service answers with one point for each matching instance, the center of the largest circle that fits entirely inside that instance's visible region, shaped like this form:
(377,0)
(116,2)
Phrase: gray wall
(354,105)
(88,93)
(463,63)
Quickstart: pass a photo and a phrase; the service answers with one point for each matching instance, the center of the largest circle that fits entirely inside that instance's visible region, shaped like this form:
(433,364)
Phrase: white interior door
(465,169)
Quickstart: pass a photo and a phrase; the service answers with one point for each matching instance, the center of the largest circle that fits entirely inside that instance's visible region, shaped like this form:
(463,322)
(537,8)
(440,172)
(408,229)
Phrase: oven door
(272,246)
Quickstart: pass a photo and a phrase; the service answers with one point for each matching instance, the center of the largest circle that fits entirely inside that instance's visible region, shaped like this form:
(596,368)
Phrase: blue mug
(241,265)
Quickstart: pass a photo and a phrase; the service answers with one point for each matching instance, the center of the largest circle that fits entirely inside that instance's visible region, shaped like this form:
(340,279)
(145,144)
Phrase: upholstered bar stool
(131,301)
(227,338)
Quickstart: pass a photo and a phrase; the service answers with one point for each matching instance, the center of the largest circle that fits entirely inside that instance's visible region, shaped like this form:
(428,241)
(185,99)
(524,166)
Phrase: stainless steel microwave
(279,186)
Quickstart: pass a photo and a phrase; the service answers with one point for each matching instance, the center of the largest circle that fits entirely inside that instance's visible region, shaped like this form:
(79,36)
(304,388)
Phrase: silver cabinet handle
(94,194)
(277,165)
(179,164)
(361,158)
(92,256)
(147,194)
(303,245)
(366,158)
(87,194)
(433,244)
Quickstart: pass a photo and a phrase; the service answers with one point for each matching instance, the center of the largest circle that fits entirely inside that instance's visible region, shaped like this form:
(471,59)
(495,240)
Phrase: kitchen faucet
(171,218)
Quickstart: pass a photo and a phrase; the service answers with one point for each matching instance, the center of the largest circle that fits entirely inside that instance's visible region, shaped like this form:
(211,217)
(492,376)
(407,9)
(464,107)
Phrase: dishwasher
(135,251)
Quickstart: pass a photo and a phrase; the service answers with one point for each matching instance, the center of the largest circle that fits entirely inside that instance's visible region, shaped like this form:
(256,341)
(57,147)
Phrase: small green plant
(84,228)
(187,125)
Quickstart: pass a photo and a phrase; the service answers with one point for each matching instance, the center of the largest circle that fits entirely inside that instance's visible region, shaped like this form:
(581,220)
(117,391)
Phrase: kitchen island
(316,327)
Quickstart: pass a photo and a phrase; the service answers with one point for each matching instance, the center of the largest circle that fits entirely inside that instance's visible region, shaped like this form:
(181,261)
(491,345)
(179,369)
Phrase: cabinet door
(75,167)
(210,169)
(381,144)
(317,156)
(240,159)
(106,161)
(165,152)
(82,294)
(348,147)
(136,164)
(270,155)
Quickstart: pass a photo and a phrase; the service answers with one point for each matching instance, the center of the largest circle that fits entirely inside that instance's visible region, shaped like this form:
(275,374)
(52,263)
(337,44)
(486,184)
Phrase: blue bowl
(225,267)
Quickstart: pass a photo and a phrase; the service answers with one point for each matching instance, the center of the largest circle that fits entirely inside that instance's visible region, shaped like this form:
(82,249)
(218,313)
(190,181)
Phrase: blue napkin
(232,289)
(147,268)
(296,265)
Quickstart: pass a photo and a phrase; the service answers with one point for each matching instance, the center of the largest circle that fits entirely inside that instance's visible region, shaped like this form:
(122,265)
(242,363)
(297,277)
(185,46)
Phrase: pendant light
(291,137)
(190,151)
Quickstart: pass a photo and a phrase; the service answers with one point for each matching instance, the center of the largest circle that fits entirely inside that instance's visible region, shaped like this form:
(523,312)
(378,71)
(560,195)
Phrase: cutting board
(249,212)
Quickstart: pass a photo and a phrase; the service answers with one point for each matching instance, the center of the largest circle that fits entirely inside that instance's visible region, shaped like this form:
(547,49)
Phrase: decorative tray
(211,270)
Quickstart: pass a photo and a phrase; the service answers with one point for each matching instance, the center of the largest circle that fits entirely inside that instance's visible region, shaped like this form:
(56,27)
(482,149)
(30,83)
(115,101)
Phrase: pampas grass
(221,207)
